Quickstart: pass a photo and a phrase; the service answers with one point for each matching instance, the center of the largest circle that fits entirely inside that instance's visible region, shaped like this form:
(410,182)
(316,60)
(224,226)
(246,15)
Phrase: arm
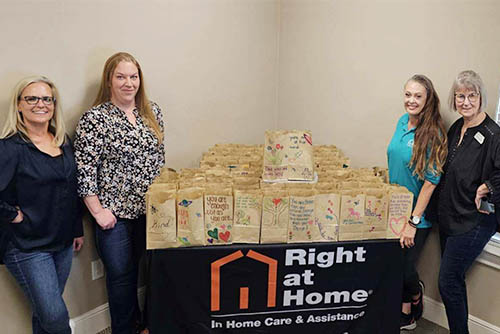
(8,166)
(89,145)
(104,217)
(159,118)
(408,236)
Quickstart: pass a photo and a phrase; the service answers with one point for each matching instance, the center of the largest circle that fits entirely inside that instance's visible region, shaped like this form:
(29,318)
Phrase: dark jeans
(458,252)
(120,249)
(411,286)
(42,277)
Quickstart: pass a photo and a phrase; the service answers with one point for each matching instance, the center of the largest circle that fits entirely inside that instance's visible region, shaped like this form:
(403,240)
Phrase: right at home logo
(272,267)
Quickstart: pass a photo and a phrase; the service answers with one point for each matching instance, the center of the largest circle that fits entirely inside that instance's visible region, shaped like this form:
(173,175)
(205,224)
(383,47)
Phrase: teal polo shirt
(399,154)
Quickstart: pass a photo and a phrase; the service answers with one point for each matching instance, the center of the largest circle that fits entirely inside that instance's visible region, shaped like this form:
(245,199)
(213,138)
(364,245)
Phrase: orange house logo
(271,279)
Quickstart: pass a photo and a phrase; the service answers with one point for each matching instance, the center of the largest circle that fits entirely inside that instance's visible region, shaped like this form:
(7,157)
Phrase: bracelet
(411,223)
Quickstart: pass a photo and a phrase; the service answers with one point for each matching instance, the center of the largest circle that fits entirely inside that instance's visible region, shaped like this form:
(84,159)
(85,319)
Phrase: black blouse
(45,189)
(468,165)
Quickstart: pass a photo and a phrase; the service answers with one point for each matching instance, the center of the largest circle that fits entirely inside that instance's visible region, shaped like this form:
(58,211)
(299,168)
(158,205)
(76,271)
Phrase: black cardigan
(45,193)
(468,165)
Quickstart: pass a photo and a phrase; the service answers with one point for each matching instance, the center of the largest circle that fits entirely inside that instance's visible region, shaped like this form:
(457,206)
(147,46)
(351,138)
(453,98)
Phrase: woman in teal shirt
(416,155)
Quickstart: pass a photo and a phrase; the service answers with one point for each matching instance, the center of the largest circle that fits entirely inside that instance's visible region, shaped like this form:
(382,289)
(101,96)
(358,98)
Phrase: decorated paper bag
(288,155)
(190,217)
(400,207)
(300,156)
(327,214)
(247,216)
(301,226)
(352,212)
(274,227)
(161,228)
(376,211)
(275,163)
(218,215)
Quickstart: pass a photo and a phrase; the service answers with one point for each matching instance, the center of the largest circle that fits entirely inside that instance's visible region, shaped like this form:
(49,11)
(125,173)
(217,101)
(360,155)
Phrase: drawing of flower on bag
(274,153)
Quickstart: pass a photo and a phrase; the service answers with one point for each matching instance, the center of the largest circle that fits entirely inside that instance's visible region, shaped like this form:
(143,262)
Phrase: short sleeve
(89,145)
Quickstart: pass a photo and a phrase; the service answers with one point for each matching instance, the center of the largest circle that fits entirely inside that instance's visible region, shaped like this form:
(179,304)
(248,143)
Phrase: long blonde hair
(141,100)
(15,123)
(430,146)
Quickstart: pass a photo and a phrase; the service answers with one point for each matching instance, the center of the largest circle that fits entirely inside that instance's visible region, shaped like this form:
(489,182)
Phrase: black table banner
(344,288)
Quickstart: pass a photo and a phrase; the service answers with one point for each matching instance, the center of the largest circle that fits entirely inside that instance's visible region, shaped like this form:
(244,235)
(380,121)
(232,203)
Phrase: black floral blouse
(116,160)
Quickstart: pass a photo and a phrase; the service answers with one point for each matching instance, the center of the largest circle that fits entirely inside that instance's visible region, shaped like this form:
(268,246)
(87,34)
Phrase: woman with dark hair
(471,176)
(40,212)
(416,156)
(119,151)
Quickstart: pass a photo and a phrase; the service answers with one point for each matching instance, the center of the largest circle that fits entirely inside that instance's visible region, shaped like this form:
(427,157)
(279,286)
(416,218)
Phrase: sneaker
(417,306)
(407,322)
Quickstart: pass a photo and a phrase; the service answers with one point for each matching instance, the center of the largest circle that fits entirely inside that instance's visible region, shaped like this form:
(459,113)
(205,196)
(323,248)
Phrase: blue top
(399,154)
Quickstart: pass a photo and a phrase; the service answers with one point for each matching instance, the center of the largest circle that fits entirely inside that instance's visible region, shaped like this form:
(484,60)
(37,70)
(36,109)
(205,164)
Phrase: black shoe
(417,306)
(407,322)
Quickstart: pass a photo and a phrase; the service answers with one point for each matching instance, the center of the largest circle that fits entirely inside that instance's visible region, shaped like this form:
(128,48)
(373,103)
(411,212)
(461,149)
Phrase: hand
(106,219)
(408,236)
(19,218)
(481,192)
(77,244)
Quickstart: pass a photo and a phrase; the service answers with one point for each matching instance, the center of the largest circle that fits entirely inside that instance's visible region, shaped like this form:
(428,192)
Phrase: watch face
(416,220)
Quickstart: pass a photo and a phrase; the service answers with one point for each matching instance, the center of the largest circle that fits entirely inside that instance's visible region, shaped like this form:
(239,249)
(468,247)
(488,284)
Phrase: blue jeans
(458,252)
(120,249)
(42,277)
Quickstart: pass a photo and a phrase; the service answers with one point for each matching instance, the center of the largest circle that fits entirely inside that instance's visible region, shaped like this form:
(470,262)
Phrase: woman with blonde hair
(416,156)
(119,151)
(471,177)
(40,211)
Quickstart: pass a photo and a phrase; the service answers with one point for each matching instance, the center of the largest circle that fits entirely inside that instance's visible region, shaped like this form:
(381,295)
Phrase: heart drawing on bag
(276,201)
(214,233)
(397,225)
(225,236)
(210,240)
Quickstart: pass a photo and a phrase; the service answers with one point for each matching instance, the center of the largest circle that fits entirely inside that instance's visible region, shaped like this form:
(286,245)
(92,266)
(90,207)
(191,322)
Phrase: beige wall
(210,64)
(342,68)
(226,70)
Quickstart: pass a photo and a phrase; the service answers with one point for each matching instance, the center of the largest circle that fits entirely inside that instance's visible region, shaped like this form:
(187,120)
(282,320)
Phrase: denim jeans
(120,249)
(411,286)
(458,252)
(42,277)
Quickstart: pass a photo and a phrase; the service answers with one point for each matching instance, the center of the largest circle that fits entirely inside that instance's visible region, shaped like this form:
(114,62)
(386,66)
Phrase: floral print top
(116,160)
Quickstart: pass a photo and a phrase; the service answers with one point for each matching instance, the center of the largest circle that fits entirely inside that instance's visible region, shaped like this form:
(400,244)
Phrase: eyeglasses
(472,97)
(33,100)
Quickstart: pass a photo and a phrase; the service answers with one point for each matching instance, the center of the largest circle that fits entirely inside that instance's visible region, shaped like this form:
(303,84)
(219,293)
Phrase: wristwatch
(414,221)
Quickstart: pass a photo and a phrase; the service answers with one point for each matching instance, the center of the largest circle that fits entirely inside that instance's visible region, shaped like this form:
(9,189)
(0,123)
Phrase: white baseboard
(434,311)
(98,319)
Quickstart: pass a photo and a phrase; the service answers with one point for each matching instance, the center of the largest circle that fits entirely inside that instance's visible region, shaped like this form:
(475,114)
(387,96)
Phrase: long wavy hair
(430,144)
(15,122)
(141,100)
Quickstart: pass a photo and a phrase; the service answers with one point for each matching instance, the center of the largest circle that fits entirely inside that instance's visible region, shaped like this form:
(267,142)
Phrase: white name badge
(479,137)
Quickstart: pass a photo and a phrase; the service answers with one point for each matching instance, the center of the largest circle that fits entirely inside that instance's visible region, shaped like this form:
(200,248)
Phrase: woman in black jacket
(40,214)
(471,176)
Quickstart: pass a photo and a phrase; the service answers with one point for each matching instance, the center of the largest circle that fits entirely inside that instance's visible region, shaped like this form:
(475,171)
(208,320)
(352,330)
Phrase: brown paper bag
(160,219)
(376,212)
(301,225)
(327,214)
(352,212)
(247,216)
(190,217)
(400,208)
(275,204)
(288,155)
(218,215)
